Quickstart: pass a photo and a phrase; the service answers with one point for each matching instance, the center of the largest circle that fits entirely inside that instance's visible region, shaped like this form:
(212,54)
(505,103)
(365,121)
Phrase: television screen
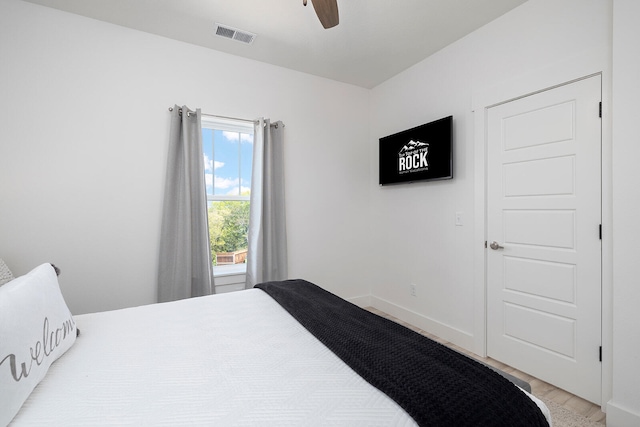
(424,153)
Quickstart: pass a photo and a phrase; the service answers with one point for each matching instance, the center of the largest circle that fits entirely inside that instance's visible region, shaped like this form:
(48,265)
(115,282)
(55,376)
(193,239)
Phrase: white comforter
(235,359)
(230,359)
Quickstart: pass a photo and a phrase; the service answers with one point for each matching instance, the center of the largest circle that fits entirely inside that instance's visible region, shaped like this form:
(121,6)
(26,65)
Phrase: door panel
(523,227)
(555,176)
(544,211)
(551,280)
(557,127)
(518,321)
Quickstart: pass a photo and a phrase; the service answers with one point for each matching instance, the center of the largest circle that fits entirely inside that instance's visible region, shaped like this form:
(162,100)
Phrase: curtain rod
(218,117)
(228,118)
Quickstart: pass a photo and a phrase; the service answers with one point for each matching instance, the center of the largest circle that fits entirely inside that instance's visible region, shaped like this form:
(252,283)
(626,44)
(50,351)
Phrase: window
(228,152)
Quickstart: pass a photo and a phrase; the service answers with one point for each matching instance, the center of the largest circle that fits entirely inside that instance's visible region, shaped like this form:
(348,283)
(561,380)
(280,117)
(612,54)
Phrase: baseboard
(618,416)
(441,330)
(361,301)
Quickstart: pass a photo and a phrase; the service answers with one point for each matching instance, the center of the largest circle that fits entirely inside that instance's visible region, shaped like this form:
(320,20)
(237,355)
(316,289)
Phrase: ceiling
(375,40)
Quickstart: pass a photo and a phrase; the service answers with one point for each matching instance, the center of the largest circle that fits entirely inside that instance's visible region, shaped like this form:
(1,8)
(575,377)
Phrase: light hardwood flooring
(539,388)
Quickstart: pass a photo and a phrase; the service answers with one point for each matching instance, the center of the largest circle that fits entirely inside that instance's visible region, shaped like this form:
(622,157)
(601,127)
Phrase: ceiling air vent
(234,34)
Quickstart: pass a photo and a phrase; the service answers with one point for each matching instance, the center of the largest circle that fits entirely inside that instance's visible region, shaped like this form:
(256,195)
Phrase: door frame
(564,73)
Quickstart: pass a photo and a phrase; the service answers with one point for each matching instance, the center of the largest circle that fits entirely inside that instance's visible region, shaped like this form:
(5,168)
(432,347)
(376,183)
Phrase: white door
(543,218)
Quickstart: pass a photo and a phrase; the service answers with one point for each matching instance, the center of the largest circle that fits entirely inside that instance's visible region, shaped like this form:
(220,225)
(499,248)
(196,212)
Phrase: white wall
(624,408)
(83,142)
(422,244)
(537,45)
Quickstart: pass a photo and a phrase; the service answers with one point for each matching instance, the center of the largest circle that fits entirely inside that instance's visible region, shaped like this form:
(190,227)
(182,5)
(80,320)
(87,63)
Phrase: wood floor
(539,388)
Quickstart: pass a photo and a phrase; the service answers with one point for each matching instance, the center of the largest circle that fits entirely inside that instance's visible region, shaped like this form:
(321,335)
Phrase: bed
(259,357)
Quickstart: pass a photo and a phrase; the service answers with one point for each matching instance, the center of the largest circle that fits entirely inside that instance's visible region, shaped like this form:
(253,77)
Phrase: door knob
(495,246)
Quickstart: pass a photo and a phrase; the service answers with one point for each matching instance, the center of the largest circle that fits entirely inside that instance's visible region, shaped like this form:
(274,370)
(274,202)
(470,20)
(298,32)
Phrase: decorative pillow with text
(36,328)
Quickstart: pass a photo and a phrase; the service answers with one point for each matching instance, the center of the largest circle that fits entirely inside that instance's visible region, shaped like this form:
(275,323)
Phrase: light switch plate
(459,218)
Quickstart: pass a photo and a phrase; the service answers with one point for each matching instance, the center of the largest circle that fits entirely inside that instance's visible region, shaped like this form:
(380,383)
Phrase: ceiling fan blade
(327,11)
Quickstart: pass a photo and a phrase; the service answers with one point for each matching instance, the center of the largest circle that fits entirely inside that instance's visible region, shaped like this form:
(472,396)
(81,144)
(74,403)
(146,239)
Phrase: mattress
(235,359)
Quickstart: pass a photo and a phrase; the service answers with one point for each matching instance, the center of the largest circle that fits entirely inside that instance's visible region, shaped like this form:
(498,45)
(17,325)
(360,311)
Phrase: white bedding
(252,365)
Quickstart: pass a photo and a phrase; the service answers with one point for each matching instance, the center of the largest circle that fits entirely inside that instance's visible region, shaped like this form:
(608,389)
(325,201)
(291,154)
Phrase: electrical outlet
(413,289)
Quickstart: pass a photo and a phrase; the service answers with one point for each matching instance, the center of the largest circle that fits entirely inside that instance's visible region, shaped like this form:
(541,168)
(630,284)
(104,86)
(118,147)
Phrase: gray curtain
(267,254)
(185,253)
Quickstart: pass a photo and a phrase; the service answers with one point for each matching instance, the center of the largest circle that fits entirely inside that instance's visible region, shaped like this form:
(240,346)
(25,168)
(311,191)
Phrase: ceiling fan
(327,11)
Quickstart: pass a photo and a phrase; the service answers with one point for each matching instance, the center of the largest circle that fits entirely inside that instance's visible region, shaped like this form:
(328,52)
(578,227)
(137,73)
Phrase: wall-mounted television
(423,153)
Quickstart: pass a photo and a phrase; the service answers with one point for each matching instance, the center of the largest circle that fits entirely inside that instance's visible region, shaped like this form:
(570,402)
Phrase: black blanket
(437,386)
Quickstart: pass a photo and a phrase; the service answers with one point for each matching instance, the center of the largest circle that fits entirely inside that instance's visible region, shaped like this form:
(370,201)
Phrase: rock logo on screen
(413,157)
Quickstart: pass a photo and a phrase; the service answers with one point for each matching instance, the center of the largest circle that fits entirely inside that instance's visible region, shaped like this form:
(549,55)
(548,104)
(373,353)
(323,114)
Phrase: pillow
(5,273)
(36,328)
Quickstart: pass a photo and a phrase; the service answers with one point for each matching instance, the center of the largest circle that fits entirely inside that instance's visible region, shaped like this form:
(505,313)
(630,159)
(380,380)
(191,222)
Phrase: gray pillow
(5,273)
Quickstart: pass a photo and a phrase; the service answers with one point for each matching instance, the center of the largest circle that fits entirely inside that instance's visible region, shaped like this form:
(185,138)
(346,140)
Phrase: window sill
(229,270)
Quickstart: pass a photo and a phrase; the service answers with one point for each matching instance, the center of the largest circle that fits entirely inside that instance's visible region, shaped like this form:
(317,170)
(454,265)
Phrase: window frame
(227,125)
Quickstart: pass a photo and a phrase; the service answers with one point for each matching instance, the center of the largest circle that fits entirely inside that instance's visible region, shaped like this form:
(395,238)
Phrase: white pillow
(5,273)
(36,328)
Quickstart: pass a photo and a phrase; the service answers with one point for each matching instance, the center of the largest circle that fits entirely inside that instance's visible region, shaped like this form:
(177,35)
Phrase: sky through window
(227,161)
